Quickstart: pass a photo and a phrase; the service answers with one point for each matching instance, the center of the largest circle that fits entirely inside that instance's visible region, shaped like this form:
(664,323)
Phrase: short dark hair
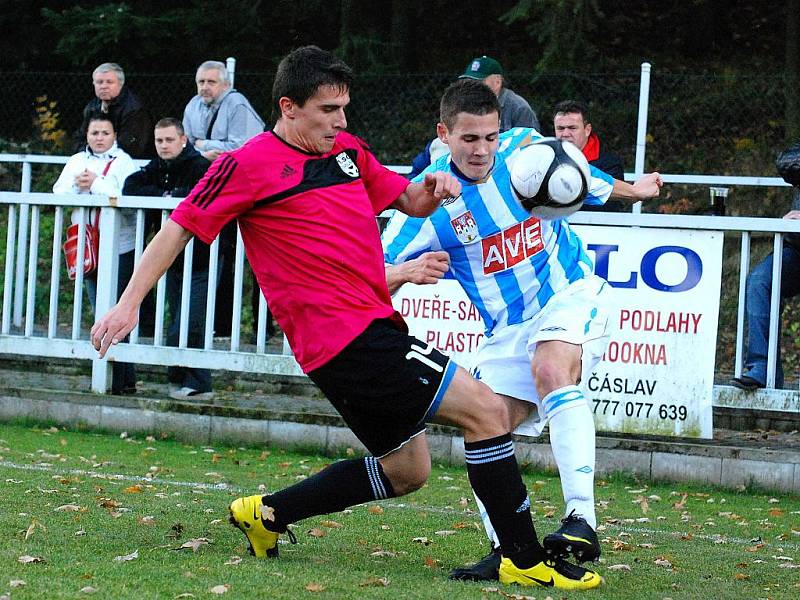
(170,122)
(471,96)
(101,116)
(572,106)
(303,71)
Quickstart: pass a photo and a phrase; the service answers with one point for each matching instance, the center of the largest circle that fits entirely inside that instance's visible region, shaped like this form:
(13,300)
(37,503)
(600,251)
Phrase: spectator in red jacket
(571,123)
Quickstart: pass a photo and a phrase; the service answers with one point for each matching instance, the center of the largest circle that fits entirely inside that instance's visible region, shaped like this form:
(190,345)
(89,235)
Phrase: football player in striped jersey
(545,312)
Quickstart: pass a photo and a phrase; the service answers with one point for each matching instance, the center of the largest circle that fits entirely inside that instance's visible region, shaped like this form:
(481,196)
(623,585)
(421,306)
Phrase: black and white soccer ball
(550,178)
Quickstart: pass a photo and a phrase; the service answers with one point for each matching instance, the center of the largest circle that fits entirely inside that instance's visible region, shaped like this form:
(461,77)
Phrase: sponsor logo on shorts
(511,246)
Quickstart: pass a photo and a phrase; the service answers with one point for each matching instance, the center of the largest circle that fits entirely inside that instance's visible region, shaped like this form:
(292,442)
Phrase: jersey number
(421,355)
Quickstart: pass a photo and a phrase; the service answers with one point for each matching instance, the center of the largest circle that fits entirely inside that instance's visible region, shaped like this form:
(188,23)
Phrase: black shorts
(386,384)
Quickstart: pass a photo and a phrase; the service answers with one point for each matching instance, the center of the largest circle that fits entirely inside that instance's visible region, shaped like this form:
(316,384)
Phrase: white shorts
(577,314)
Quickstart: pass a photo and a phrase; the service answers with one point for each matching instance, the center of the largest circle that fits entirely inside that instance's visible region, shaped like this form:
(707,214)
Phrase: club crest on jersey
(347,165)
(465,227)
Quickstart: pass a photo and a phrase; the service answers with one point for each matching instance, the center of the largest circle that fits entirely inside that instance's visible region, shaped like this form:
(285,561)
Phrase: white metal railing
(45,338)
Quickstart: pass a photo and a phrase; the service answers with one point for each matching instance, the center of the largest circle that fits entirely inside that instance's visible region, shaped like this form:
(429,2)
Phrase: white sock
(573,444)
(487,524)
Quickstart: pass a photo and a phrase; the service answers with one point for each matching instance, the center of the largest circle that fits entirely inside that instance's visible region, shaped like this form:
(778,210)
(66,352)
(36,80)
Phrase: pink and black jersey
(309,229)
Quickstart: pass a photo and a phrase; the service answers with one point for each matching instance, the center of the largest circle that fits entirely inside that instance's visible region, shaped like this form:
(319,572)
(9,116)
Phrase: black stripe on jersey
(215,182)
(321,173)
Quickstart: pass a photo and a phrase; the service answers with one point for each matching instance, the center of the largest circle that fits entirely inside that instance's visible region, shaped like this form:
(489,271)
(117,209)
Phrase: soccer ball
(550,178)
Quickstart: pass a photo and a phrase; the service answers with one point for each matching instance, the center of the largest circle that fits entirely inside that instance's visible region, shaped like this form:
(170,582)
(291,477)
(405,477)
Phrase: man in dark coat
(131,121)
(571,123)
(174,173)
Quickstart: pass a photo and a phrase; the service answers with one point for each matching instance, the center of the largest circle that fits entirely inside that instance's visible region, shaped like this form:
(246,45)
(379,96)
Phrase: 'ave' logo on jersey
(505,249)
(346,164)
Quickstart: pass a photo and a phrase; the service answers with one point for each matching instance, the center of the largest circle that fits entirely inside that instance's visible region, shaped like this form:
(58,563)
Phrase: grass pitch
(85,514)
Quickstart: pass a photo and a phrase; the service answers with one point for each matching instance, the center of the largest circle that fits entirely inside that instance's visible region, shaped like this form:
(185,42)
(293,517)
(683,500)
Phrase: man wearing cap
(514,109)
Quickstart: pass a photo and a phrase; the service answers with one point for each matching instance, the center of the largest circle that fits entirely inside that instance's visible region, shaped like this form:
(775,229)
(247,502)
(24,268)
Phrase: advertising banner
(657,374)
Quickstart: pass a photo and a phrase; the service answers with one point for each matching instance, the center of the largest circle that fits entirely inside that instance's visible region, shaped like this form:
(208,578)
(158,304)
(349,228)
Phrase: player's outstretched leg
(342,484)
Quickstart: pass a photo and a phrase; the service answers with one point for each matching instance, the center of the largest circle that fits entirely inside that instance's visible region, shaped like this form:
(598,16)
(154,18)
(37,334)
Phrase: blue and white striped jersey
(508,262)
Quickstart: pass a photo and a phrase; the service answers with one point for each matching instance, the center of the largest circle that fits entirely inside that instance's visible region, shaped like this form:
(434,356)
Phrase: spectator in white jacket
(102,169)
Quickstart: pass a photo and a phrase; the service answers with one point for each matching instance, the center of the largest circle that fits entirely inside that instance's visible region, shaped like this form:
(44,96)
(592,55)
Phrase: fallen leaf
(431,562)
(620,545)
(445,532)
(331,524)
(384,553)
(662,562)
(316,532)
(647,546)
(463,501)
(268,513)
(108,503)
(26,559)
(315,587)
(619,568)
(134,489)
(32,527)
(421,540)
(375,582)
(755,548)
(741,577)
(132,556)
(147,520)
(67,508)
(220,589)
(375,509)
(186,595)
(682,503)
(194,544)
(233,560)
(88,590)
(16,583)
(775,512)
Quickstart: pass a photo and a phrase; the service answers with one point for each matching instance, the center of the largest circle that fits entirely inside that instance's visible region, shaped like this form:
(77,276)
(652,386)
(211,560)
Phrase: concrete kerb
(678,461)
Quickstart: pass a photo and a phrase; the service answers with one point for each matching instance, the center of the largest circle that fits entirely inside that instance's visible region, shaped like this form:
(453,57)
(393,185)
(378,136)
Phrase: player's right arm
(118,322)
(423,270)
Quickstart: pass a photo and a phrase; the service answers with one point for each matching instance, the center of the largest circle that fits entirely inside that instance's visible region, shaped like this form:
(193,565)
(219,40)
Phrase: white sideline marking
(224,487)
(119,477)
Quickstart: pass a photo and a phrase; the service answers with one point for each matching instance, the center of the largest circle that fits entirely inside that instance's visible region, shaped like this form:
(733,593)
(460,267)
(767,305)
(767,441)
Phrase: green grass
(152,495)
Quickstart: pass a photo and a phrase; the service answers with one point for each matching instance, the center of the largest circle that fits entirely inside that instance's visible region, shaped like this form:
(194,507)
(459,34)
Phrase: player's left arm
(647,186)
(421,199)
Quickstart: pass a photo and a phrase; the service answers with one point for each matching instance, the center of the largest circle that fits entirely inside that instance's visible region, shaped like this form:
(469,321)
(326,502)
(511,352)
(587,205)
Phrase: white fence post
(230,64)
(106,286)
(22,242)
(641,130)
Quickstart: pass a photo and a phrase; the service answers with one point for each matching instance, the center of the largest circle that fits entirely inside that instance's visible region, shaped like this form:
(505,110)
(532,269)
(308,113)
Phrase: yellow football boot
(246,515)
(557,574)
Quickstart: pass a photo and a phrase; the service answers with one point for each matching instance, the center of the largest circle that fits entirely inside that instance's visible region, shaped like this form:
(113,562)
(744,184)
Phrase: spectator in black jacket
(174,173)
(571,123)
(131,121)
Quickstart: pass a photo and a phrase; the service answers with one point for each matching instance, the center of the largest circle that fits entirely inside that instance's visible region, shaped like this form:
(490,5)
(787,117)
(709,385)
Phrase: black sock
(342,484)
(495,477)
